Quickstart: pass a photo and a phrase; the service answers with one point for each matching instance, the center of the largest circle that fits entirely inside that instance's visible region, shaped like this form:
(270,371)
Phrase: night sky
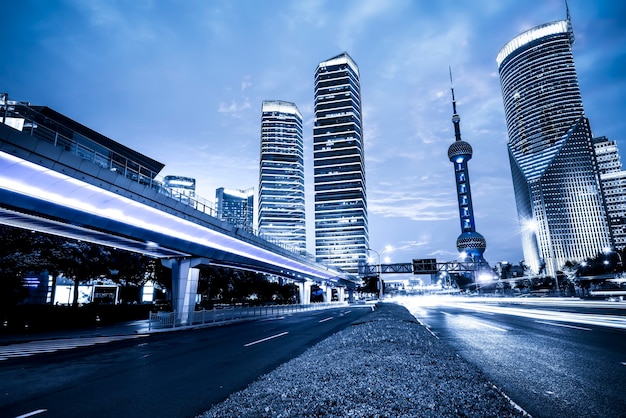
(183,82)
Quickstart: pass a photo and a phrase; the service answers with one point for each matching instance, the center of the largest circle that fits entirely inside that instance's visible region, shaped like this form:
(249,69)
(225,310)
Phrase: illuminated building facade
(282,211)
(341,229)
(613,180)
(236,207)
(553,164)
(470,243)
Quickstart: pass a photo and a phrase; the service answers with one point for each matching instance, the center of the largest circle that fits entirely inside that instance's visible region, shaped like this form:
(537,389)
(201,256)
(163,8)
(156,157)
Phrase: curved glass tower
(281,176)
(557,186)
(341,232)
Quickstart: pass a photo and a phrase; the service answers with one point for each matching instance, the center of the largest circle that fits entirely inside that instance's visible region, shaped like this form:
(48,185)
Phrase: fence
(162,319)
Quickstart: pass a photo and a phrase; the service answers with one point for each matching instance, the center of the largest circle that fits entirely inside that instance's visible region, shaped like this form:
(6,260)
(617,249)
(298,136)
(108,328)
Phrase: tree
(130,270)
(80,261)
(21,252)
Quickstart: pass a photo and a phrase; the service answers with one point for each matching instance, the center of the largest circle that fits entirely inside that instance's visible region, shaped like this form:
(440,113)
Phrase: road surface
(554,357)
(174,374)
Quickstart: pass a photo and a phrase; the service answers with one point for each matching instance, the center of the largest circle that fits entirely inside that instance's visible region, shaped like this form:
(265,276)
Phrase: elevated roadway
(51,181)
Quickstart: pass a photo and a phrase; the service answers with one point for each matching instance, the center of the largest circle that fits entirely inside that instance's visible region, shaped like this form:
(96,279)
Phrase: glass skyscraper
(341,231)
(613,180)
(282,211)
(557,186)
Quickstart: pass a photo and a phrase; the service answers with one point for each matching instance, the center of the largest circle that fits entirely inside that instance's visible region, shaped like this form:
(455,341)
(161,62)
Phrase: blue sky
(183,82)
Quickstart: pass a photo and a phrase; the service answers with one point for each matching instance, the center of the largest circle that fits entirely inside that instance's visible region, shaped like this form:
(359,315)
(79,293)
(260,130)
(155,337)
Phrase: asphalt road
(555,358)
(175,374)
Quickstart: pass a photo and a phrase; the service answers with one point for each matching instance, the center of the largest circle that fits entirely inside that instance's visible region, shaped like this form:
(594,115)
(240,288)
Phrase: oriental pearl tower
(470,243)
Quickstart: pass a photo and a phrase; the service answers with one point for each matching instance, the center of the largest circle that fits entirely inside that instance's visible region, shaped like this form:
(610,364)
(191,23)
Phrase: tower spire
(456,119)
(570,29)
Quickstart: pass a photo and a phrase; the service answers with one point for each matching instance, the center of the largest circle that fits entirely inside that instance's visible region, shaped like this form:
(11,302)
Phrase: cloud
(245,83)
(234,108)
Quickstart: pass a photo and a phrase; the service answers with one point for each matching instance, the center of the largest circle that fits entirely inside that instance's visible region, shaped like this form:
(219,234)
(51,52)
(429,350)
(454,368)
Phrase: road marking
(30,414)
(266,339)
(624,363)
(446,313)
(494,327)
(326,319)
(49,346)
(347,312)
(563,325)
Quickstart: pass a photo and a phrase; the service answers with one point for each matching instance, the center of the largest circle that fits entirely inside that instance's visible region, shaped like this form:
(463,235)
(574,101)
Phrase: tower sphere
(460,149)
(472,243)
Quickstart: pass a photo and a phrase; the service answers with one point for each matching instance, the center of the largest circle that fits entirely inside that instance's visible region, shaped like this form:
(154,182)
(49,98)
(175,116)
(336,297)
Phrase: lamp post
(378,271)
(609,250)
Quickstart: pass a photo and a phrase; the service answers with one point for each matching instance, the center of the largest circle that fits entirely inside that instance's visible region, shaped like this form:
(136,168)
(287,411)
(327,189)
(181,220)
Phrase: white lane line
(326,319)
(624,363)
(30,414)
(266,339)
(446,313)
(493,327)
(563,325)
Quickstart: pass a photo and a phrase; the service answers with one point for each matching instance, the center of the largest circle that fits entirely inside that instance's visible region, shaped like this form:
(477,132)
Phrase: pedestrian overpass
(62,178)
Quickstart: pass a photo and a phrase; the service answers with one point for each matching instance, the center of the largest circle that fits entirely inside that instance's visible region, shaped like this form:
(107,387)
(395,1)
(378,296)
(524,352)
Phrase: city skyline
(184,85)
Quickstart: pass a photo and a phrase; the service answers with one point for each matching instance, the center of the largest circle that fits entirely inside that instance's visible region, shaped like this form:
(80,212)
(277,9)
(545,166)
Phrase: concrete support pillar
(350,295)
(340,294)
(328,294)
(185,275)
(305,292)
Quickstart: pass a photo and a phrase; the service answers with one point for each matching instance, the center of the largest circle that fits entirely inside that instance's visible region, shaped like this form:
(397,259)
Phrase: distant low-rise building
(236,207)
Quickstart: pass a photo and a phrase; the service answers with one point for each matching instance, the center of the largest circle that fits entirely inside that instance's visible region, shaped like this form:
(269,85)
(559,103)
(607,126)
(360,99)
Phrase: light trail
(417,306)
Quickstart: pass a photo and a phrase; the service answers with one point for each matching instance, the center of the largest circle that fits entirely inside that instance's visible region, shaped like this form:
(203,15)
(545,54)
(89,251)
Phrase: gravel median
(384,365)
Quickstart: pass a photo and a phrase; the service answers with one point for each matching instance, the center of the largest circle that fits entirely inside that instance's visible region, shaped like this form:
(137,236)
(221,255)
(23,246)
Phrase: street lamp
(388,248)
(609,250)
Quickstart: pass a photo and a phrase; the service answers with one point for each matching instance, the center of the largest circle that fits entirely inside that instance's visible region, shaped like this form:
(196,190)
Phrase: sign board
(425,266)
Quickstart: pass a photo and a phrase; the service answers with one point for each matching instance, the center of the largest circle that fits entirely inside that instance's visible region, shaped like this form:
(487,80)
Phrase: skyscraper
(341,231)
(613,180)
(555,175)
(236,207)
(470,243)
(282,211)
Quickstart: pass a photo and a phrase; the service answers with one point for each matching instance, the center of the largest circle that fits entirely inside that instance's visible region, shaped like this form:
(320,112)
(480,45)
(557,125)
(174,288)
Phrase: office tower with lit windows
(236,207)
(613,180)
(282,211)
(470,243)
(553,164)
(341,230)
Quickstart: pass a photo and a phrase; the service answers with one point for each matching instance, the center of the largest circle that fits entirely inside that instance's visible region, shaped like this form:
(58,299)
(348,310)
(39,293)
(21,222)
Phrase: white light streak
(29,179)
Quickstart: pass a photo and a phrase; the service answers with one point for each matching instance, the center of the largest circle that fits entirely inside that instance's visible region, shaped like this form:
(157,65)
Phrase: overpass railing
(161,319)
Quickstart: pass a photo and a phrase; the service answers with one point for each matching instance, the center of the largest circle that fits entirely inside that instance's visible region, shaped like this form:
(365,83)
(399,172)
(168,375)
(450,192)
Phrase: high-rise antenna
(570,30)
(452,90)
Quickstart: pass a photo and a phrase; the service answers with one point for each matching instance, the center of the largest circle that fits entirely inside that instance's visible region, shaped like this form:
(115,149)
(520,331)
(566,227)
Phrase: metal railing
(161,319)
